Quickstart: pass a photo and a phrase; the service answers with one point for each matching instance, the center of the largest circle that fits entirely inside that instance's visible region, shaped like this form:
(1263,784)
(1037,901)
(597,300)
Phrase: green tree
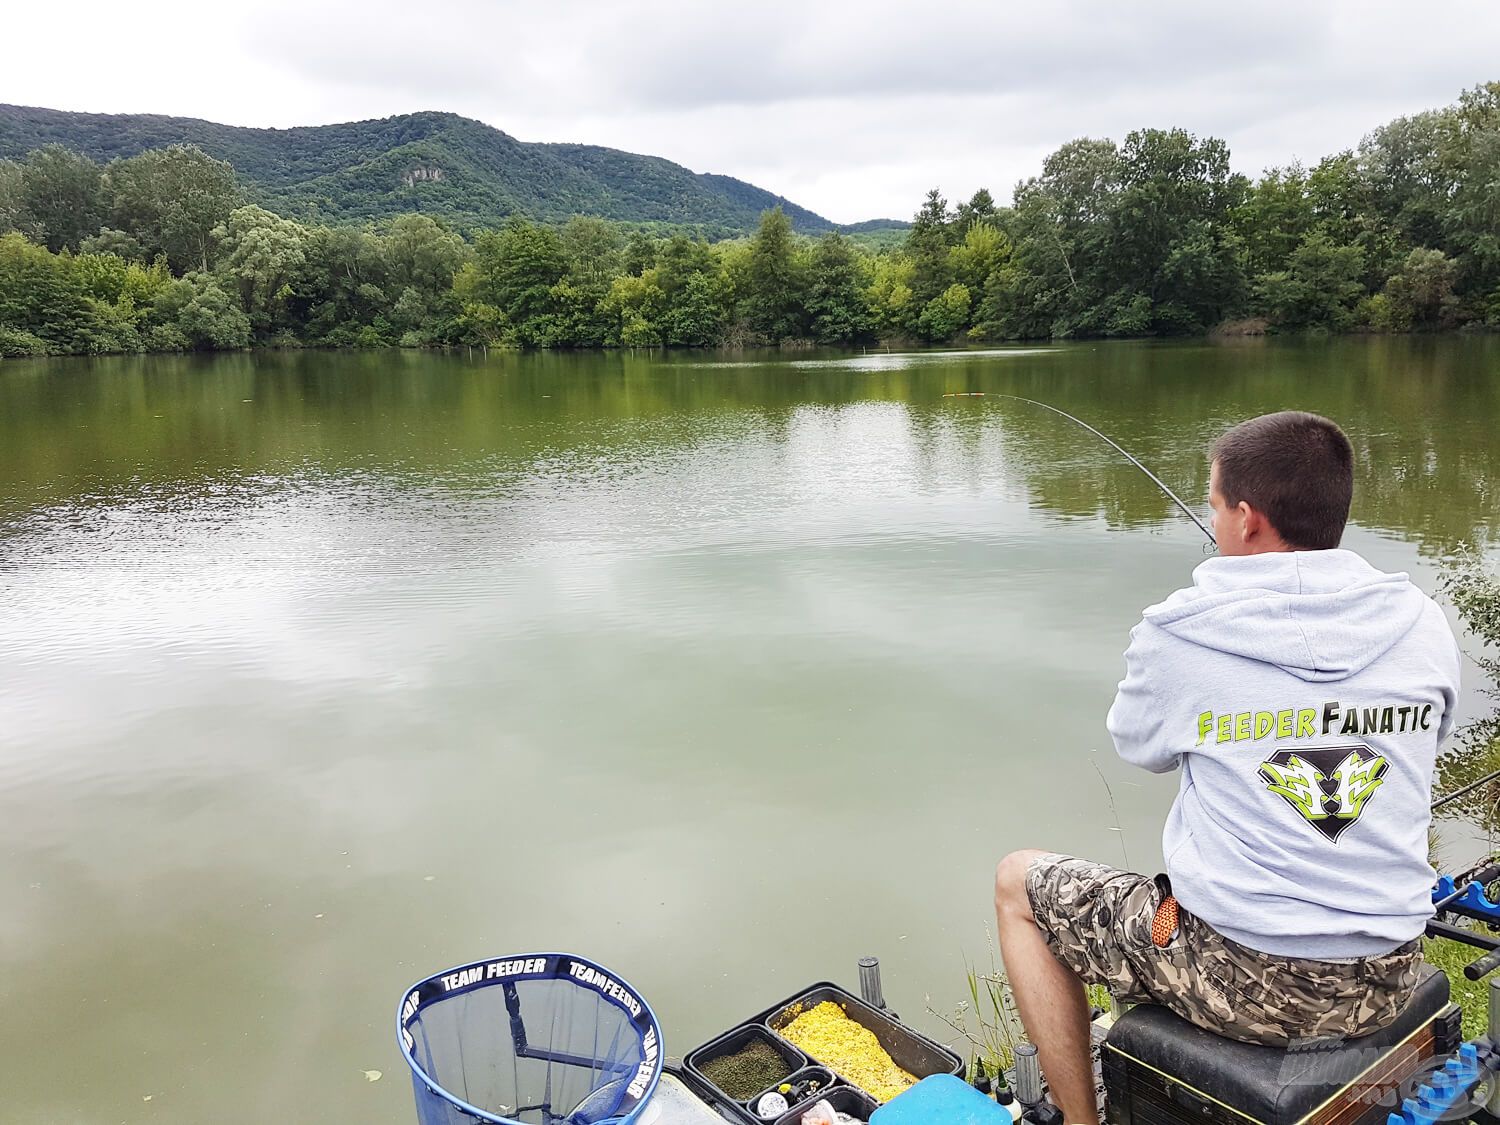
(635,304)
(342,285)
(1474,589)
(518,267)
(1170,229)
(262,255)
(1018,304)
(836,304)
(1408,179)
(696,313)
(927,244)
(1274,218)
(1421,294)
(40,297)
(945,315)
(171,200)
(1343,208)
(1471,217)
(889,296)
(593,250)
(983,250)
(1060,231)
(62,194)
(199,313)
(421,254)
(639,254)
(695,294)
(979,209)
(1318,289)
(13,213)
(774,303)
(116,242)
(679,259)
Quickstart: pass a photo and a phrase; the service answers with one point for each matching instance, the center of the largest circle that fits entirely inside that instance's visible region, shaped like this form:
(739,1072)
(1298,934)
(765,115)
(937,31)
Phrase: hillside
(437,163)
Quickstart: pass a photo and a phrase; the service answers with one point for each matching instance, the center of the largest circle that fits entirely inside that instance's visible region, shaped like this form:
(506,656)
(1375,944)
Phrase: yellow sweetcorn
(849,1049)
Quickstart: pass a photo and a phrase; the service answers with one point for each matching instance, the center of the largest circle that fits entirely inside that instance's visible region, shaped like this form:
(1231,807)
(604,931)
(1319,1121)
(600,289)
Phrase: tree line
(1152,236)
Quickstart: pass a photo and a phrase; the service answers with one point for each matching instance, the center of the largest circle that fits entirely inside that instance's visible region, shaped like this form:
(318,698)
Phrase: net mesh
(541,1039)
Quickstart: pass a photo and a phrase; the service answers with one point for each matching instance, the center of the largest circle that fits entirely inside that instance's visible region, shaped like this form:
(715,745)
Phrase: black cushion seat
(1269,1084)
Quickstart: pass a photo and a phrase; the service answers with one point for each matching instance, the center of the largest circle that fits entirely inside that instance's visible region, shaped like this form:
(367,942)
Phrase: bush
(16,343)
(370,337)
(166,338)
(945,314)
(1374,313)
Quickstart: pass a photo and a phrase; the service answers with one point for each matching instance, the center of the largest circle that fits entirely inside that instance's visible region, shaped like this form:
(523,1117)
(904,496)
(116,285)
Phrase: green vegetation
(463,172)
(1474,590)
(170,248)
(1472,996)
(989,1023)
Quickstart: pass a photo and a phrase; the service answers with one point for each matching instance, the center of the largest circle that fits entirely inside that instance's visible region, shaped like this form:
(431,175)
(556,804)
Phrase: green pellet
(744,1073)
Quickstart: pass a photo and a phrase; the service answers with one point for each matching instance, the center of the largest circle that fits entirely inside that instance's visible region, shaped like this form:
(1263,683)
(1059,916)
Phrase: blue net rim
(576,970)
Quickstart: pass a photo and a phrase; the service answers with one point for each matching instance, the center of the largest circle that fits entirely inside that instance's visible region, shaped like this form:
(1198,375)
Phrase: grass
(989,1022)
(1472,996)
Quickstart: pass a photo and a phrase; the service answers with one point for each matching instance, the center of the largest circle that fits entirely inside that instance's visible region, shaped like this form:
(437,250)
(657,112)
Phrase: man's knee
(1010,881)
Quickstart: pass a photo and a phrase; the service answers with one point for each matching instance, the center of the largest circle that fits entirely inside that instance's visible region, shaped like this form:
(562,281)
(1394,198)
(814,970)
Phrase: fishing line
(1161,484)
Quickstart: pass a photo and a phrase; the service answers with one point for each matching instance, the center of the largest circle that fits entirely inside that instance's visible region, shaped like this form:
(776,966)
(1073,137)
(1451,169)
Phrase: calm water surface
(321,672)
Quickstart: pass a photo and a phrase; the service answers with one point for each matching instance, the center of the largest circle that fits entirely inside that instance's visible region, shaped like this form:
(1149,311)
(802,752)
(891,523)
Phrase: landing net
(534,1039)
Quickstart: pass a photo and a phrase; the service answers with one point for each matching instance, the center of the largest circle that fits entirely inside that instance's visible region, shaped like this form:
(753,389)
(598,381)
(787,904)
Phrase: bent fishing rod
(1156,480)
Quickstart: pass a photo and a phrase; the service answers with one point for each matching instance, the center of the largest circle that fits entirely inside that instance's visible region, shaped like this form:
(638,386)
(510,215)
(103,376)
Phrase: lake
(321,672)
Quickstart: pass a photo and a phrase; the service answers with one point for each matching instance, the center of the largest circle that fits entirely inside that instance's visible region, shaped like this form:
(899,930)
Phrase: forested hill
(436,163)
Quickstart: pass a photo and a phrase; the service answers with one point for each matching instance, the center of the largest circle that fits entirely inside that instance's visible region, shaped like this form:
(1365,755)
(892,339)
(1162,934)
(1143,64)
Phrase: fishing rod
(1120,448)
(1469,788)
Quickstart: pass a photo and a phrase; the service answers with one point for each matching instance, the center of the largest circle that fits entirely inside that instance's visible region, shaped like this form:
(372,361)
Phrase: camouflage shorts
(1097,921)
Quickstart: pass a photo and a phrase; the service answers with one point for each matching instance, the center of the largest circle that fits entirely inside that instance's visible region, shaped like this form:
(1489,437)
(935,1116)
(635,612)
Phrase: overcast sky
(853,109)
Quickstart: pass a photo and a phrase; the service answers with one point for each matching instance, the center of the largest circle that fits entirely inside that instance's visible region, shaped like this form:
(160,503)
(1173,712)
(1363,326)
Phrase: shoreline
(893,346)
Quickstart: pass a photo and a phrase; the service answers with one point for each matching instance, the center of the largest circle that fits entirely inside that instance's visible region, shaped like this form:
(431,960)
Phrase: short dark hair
(1296,468)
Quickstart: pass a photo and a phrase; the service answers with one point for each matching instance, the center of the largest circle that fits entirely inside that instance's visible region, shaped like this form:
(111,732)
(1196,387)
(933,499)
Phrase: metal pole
(1028,1075)
(869,982)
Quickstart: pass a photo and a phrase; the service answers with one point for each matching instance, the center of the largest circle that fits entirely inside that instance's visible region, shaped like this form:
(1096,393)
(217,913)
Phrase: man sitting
(1303,694)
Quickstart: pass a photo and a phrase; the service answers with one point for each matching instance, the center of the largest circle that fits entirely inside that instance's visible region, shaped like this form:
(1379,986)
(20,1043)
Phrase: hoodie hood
(1319,615)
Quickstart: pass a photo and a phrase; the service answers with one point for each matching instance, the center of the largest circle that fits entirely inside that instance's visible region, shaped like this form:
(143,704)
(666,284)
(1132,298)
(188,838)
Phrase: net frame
(506,972)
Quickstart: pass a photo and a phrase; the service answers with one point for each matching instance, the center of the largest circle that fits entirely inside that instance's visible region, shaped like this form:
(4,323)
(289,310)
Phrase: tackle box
(913,1052)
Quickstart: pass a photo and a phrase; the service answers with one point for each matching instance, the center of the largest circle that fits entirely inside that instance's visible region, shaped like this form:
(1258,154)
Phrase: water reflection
(1421,412)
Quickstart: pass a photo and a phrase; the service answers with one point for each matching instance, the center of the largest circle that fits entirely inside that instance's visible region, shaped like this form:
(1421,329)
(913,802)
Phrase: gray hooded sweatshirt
(1304,695)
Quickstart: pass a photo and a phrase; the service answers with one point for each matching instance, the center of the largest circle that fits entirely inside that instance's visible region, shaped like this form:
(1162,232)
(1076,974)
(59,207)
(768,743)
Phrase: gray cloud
(851,110)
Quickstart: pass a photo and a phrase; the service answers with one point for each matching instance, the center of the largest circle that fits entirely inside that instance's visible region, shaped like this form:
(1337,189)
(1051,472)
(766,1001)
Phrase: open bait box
(700,1060)
(913,1053)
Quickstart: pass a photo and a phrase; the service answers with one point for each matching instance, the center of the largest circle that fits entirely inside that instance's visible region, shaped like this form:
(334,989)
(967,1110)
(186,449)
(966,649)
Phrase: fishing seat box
(1161,1070)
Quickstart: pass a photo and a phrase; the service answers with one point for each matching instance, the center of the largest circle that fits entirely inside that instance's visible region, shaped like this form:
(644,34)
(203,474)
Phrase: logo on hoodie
(1329,785)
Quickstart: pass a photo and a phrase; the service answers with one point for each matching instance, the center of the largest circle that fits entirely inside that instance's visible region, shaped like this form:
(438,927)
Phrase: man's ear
(1258,527)
(1251,521)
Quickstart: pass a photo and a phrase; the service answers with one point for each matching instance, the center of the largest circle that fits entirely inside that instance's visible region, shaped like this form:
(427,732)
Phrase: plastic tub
(911,1051)
(845,1099)
(822,1073)
(733,1041)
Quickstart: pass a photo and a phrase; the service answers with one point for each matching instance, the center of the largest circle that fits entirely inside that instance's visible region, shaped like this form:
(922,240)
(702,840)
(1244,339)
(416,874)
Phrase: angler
(1297,883)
